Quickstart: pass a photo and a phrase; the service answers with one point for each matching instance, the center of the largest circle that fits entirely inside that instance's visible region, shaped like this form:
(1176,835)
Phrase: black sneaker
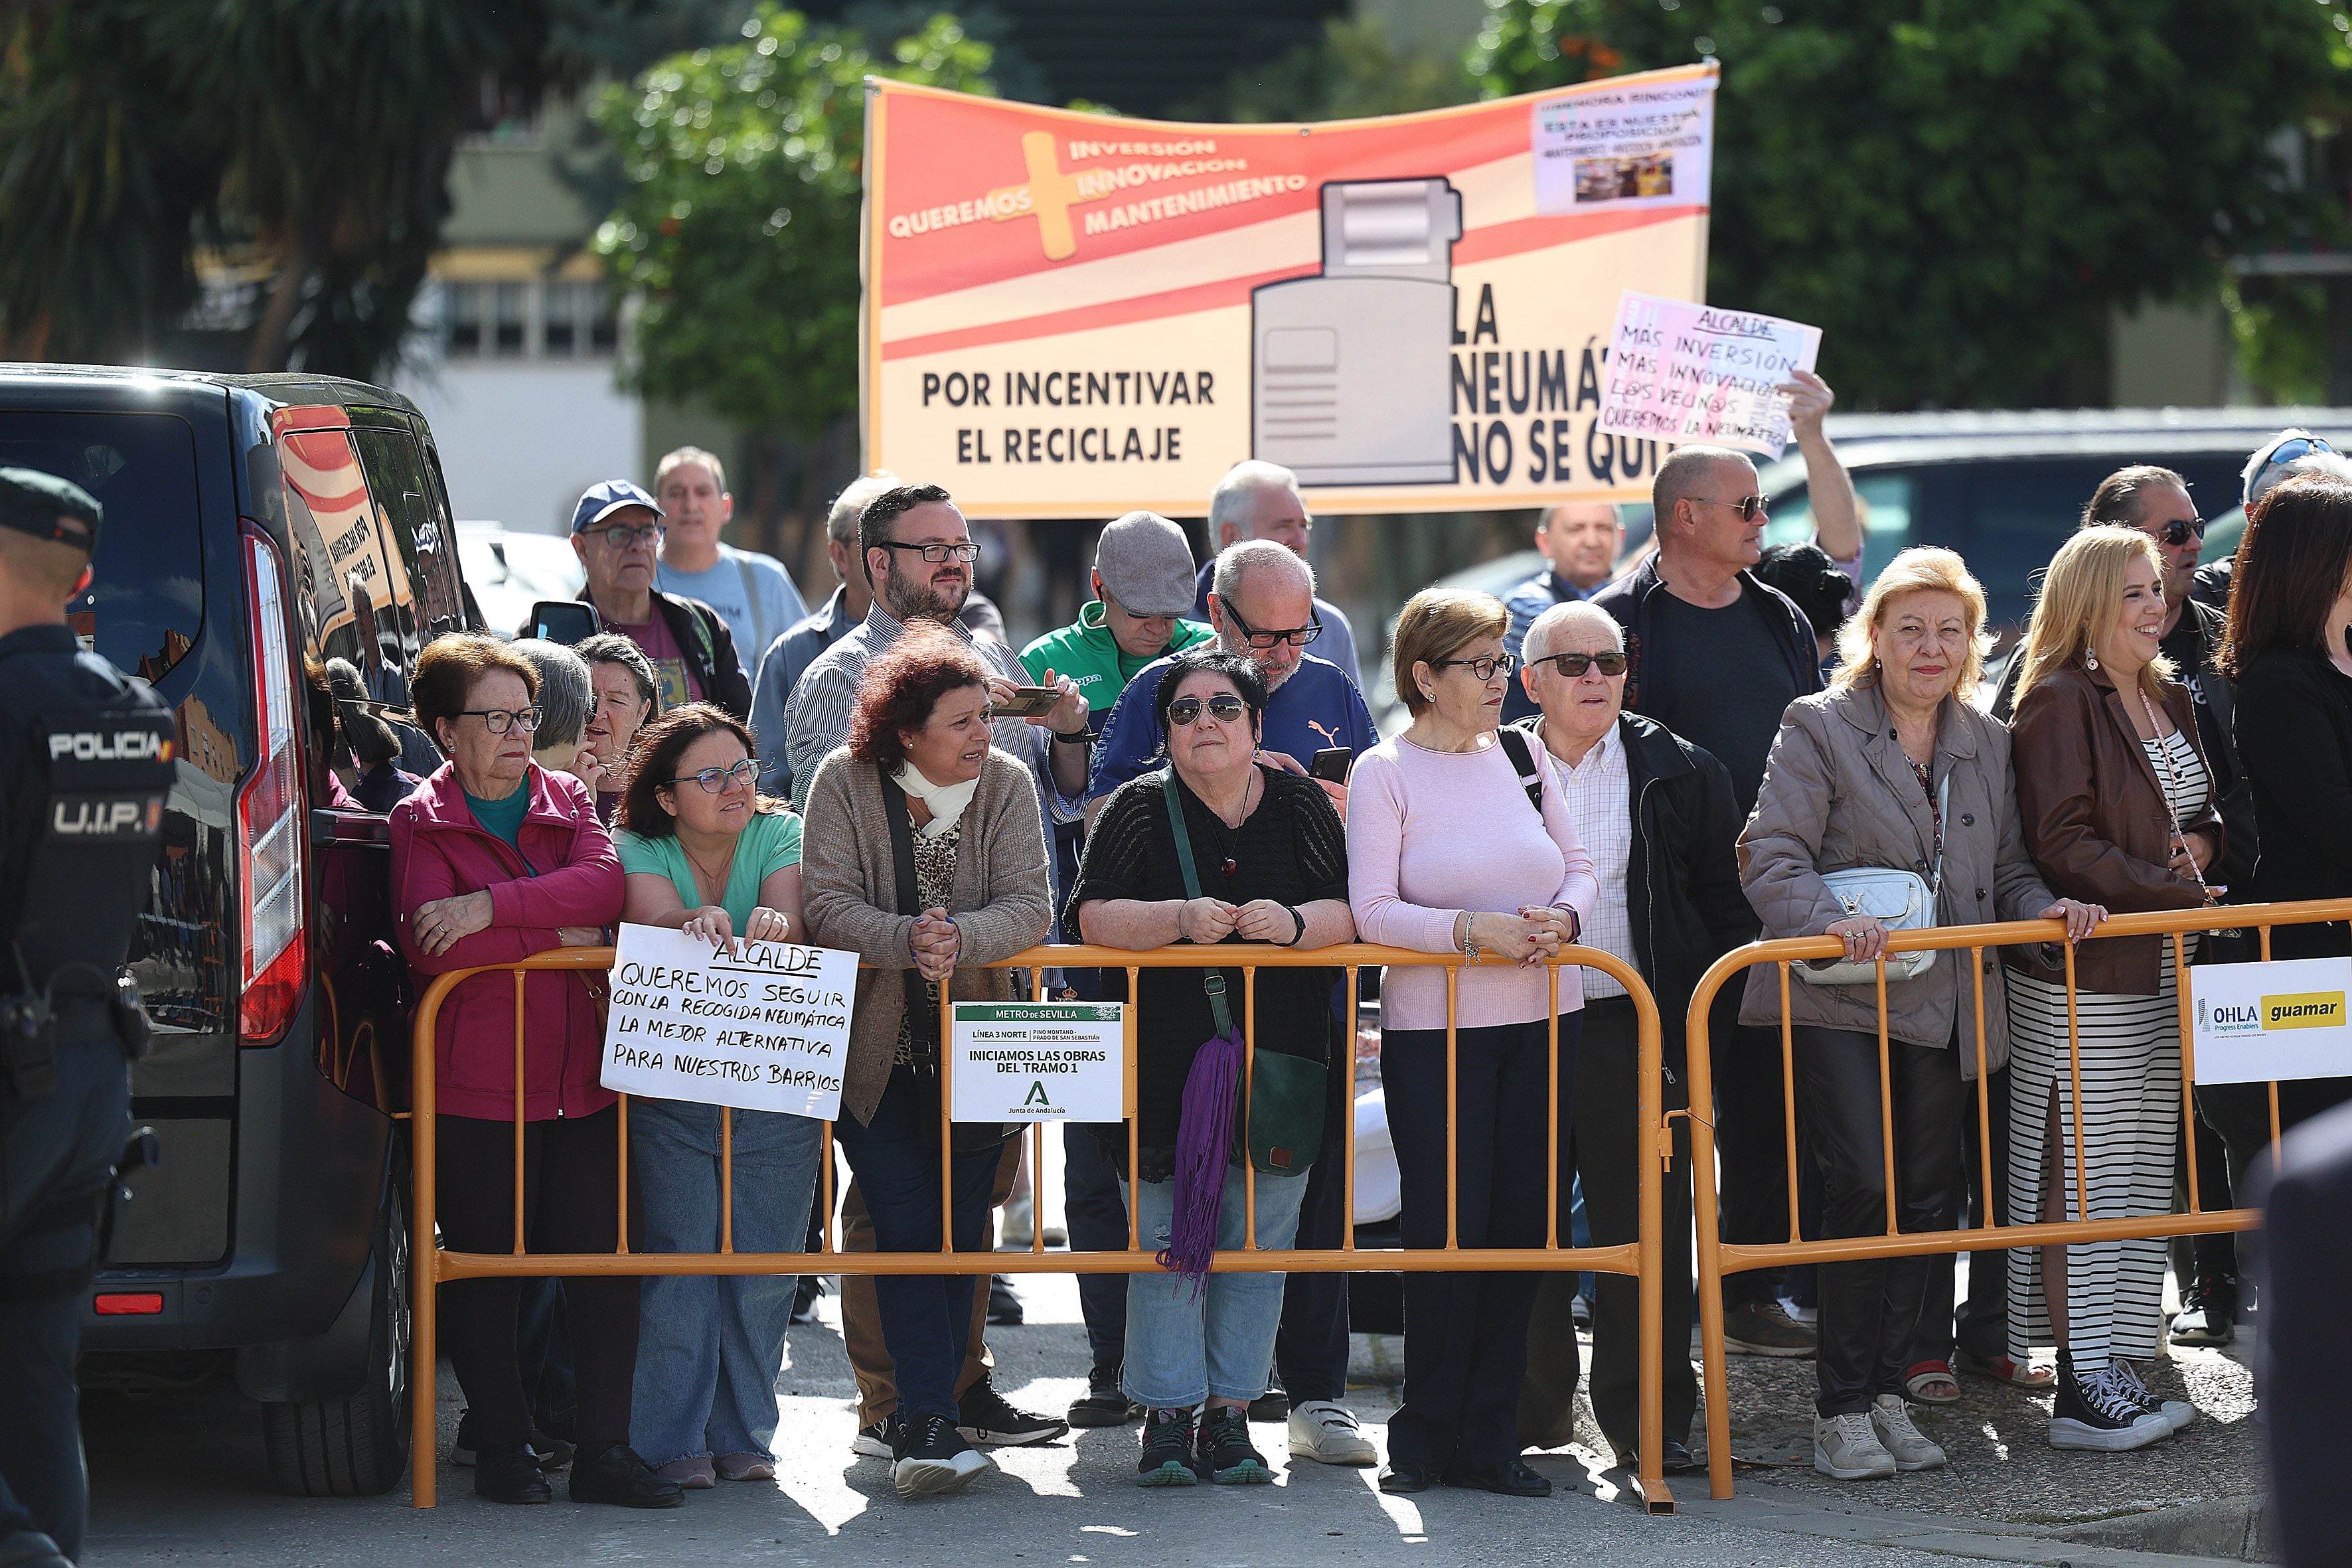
(879,1441)
(614,1473)
(1226,1452)
(2209,1313)
(2099,1413)
(1273,1405)
(1166,1459)
(1003,1306)
(804,1297)
(1766,1329)
(1105,1404)
(509,1472)
(983,1417)
(933,1458)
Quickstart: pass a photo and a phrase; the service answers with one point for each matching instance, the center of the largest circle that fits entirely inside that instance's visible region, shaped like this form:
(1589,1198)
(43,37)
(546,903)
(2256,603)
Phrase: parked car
(257,526)
(509,571)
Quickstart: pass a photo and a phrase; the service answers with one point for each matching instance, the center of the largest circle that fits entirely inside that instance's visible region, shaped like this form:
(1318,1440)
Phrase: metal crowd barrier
(433,1267)
(1717,1258)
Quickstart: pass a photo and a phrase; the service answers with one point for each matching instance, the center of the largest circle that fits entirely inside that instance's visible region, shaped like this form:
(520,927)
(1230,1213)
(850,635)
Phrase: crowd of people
(1662,760)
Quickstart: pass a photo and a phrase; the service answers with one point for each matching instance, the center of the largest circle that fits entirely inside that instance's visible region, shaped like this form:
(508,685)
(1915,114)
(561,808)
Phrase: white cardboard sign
(1685,373)
(767,1031)
(1039,1061)
(2284,1019)
(1644,144)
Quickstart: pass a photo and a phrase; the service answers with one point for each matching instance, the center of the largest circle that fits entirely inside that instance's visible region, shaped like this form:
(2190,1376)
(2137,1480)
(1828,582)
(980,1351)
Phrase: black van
(256,527)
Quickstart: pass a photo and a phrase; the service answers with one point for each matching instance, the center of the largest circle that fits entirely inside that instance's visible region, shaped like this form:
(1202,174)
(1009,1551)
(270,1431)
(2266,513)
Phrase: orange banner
(1072,315)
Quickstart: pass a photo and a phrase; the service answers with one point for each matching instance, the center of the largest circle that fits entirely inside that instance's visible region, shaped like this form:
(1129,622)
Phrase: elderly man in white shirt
(1658,816)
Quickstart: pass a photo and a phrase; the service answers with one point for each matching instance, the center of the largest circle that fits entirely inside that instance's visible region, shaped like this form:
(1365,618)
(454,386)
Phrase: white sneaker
(2177,1413)
(1325,1430)
(1890,1417)
(1846,1447)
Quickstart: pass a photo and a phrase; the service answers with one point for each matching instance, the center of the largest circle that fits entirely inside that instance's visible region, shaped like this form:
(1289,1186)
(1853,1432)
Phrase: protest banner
(2283,1019)
(1072,315)
(1039,1061)
(765,1031)
(1684,372)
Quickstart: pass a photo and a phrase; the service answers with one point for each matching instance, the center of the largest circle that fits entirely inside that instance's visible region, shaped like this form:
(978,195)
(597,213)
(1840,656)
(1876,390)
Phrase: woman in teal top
(705,852)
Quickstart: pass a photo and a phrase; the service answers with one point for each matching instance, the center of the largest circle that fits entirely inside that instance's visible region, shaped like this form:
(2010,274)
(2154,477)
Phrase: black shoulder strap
(923,1024)
(1213,981)
(1520,747)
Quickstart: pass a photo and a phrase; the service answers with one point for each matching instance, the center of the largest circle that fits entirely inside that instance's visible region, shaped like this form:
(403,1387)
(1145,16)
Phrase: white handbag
(1899,900)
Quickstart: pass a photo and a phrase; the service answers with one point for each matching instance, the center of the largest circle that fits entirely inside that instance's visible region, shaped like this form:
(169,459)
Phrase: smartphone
(1331,763)
(1027,702)
(566,621)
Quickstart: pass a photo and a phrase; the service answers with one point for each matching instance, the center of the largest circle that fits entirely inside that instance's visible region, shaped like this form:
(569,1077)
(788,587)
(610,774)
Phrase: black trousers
(1465,1334)
(571,1172)
(1981,1326)
(1870,1310)
(1097,1223)
(1310,1349)
(1751,1142)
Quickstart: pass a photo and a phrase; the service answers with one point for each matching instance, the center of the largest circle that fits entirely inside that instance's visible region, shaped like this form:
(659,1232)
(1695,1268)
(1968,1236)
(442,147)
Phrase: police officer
(85,764)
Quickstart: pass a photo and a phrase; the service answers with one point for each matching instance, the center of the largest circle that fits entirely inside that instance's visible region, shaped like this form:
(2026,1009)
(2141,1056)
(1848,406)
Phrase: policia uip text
(85,764)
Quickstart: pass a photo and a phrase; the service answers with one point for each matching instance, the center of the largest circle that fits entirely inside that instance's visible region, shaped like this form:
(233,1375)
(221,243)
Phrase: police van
(258,527)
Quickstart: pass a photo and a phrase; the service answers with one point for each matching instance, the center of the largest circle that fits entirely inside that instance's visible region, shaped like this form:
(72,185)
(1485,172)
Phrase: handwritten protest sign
(768,1031)
(1684,372)
(1040,1061)
(1625,146)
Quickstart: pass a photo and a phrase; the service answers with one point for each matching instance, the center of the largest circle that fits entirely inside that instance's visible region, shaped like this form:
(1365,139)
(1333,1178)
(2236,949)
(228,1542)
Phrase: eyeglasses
(1484,669)
(714,780)
(1748,507)
(1573,664)
(498,720)
(1186,710)
(2180,532)
(937,554)
(1297,637)
(621,536)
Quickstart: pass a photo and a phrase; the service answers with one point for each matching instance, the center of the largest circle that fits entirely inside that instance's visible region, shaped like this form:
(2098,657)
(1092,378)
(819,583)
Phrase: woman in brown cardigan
(2118,806)
(967,816)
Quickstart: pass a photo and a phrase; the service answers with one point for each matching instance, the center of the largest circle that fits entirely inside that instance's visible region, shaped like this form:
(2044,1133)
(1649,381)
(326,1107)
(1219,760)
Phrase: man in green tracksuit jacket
(1143,588)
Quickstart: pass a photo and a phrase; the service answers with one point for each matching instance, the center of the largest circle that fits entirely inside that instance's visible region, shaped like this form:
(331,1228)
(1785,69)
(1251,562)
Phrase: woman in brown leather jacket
(2118,806)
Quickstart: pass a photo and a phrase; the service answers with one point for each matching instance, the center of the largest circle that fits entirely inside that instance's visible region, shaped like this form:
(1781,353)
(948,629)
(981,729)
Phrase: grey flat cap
(1146,565)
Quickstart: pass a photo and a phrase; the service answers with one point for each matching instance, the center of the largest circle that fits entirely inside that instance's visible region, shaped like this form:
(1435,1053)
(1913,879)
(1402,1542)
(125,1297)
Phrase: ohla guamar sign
(1070,314)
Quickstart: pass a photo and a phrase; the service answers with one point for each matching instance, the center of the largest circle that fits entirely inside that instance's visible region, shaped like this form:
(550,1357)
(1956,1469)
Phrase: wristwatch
(1076,738)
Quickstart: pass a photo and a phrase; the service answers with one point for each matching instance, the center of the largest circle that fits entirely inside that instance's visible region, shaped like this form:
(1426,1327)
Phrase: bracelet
(1301,921)
(1076,738)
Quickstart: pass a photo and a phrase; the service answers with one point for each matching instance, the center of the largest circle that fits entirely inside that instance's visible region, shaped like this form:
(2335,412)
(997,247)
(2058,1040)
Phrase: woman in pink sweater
(1447,852)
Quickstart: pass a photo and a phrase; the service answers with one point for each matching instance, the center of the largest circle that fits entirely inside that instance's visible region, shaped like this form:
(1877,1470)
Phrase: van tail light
(269,819)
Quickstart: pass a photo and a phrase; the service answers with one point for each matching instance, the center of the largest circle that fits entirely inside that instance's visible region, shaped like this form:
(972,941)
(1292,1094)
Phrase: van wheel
(356,1446)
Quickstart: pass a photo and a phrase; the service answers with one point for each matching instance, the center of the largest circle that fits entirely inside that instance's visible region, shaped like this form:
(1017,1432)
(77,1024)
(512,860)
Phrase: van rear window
(146,600)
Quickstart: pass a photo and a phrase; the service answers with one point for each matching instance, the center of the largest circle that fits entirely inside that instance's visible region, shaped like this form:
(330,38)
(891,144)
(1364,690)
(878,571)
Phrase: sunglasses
(1186,710)
(1573,664)
(1748,507)
(1484,669)
(2179,533)
(714,780)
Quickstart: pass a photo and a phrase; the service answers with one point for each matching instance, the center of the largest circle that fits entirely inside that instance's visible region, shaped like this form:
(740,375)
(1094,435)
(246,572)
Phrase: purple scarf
(1204,1134)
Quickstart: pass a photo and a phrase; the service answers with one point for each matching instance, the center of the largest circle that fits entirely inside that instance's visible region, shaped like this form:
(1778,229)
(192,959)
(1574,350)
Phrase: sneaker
(2177,1413)
(1890,1417)
(983,1417)
(1223,1448)
(2209,1313)
(1765,1328)
(614,1473)
(1579,1311)
(1105,1402)
(1846,1447)
(804,1297)
(879,1441)
(1166,1459)
(932,1458)
(696,1473)
(2098,1413)
(1273,1405)
(746,1466)
(1003,1306)
(1326,1431)
(1805,1317)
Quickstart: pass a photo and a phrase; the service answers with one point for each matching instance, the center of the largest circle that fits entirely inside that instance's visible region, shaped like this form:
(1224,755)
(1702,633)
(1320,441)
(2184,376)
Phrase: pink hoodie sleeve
(422,872)
(1376,812)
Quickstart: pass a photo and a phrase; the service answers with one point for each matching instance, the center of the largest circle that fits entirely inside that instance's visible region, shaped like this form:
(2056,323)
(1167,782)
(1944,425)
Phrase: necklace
(705,876)
(2172,778)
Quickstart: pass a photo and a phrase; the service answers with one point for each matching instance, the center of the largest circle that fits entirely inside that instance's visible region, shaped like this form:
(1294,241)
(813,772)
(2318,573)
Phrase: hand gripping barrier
(435,1266)
(1717,1258)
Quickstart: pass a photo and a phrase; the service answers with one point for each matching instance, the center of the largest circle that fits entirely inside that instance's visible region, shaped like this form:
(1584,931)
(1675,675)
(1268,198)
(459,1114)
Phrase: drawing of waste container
(1350,371)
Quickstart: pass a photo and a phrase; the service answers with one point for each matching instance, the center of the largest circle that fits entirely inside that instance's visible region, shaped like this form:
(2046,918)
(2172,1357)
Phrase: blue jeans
(1184,1346)
(926,1319)
(710,1346)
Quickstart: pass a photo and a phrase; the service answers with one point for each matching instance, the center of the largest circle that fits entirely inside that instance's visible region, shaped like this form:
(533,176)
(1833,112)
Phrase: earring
(2090,658)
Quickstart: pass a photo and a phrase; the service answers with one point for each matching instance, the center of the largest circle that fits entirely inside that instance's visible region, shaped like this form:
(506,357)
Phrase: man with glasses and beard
(616,530)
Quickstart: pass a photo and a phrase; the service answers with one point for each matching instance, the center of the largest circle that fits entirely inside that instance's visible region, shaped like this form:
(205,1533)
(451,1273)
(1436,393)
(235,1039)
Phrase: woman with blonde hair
(1892,770)
(2119,808)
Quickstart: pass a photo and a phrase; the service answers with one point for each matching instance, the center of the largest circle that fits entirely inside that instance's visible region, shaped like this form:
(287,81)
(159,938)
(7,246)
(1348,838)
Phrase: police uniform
(85,765)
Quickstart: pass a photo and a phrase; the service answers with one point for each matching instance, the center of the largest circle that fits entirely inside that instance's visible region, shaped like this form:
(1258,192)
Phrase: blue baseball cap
(603,499)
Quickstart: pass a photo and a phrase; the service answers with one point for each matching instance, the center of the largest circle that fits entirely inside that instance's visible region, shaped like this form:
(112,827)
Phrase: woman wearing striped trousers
(2117,810)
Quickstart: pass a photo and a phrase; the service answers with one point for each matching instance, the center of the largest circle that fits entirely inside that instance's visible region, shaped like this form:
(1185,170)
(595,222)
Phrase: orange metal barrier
(433,1266)
(1717,1258)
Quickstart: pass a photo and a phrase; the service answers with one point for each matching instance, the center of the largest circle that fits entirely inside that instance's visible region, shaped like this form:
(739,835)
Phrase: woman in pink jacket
(495,858)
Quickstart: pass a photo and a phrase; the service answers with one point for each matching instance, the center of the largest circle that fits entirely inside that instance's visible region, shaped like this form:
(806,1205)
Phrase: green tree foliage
(1960,191)
(738,227)
(1353,72)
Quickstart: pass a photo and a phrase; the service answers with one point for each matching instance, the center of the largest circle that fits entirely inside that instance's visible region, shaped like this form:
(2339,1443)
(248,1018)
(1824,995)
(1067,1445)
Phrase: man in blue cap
(617,531)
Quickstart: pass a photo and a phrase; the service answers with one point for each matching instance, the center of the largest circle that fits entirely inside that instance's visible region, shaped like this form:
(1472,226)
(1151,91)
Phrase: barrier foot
(1657,1498)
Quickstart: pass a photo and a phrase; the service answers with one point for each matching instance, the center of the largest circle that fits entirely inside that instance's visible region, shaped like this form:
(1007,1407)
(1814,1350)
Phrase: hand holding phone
(1025,702)
(1331,763)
